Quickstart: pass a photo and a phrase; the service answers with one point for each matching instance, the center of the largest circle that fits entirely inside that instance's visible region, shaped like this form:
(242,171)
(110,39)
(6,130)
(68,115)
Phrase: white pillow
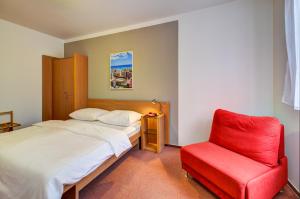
(120,117)
(88,114)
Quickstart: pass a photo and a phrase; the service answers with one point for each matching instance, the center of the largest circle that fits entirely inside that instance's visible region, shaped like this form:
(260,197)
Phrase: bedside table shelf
(151,147)
(153,133)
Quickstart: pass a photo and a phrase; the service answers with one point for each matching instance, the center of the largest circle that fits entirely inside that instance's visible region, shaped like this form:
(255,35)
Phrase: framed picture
(121,65)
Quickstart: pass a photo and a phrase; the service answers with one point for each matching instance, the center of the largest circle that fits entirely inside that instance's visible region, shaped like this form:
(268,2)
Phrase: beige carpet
(146,175)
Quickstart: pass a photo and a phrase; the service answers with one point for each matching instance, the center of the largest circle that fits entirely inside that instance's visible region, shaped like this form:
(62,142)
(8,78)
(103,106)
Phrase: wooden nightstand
(153,133)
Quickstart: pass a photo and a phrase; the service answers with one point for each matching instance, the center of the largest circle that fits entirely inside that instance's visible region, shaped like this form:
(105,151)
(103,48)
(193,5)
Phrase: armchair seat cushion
(225,169)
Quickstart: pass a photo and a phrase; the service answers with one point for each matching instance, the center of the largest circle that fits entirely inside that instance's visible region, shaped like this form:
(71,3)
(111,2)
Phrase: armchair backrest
(255,137)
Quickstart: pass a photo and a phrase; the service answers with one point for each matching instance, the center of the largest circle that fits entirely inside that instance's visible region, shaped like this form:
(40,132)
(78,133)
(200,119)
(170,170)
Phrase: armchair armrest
(271,181)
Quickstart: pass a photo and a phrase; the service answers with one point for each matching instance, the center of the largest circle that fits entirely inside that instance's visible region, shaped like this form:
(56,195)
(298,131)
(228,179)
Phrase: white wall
(21,51)
(225,61)
(289,117)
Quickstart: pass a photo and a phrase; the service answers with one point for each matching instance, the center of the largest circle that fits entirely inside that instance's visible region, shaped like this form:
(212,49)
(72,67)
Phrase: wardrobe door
(63,88)
(47,87)
(68,87)
(80,81)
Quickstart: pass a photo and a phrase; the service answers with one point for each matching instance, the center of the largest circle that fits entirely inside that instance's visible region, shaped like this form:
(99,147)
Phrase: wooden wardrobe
(65,86)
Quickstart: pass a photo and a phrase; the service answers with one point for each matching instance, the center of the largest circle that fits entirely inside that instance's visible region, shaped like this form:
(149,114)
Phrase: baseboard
(294,188)
(171,145)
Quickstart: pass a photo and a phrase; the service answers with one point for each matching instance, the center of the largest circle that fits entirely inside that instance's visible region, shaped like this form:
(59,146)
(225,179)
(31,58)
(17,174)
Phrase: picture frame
(121,70)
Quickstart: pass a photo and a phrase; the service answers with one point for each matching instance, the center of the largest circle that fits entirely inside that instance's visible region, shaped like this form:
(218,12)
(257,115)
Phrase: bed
(72,191)
(46,159)
(70,153)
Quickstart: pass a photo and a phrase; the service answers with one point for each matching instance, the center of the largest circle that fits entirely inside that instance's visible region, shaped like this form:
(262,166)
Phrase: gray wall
(155,65)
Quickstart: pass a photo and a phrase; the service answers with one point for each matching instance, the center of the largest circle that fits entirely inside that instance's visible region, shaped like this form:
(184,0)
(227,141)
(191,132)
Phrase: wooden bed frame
(144,107)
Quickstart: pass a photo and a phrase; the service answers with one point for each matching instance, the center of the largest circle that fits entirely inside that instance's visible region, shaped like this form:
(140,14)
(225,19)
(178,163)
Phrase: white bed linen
(37,161)
(118,140)
(128,130)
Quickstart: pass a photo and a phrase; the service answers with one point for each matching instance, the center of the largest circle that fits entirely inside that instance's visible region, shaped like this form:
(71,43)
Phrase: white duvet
(37,161)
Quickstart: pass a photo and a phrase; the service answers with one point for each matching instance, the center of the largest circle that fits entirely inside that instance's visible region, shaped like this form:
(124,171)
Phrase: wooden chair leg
(72,193)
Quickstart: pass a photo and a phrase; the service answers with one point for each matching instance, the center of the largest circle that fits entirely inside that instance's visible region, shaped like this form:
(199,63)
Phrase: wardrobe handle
(66,94)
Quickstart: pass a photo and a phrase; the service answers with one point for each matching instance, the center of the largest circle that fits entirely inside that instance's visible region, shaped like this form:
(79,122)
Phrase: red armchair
(244,157)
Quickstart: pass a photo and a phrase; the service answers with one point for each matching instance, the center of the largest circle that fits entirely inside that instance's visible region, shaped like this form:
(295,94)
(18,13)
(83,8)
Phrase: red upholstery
(215,163)
(281,152)
(219,192)
(240,133)
(231,174)
(270,183)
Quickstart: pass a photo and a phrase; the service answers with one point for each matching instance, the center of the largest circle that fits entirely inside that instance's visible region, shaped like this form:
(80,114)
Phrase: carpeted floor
(146,175)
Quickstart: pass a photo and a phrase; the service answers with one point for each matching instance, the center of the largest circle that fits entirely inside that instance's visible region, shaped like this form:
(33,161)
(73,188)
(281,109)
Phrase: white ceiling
(71,18)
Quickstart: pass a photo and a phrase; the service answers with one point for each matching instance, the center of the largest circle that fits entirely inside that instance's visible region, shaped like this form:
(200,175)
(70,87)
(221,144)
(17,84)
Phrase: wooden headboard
(143,107)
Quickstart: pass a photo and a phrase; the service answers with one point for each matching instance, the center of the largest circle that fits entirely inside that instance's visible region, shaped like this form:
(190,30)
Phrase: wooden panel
(47,87)
(81,81)
(68,75)
(63,88)
(152,123)
(58,96)
(71,193)
(160,137)
(165,107)
(143,107)
(151,137)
